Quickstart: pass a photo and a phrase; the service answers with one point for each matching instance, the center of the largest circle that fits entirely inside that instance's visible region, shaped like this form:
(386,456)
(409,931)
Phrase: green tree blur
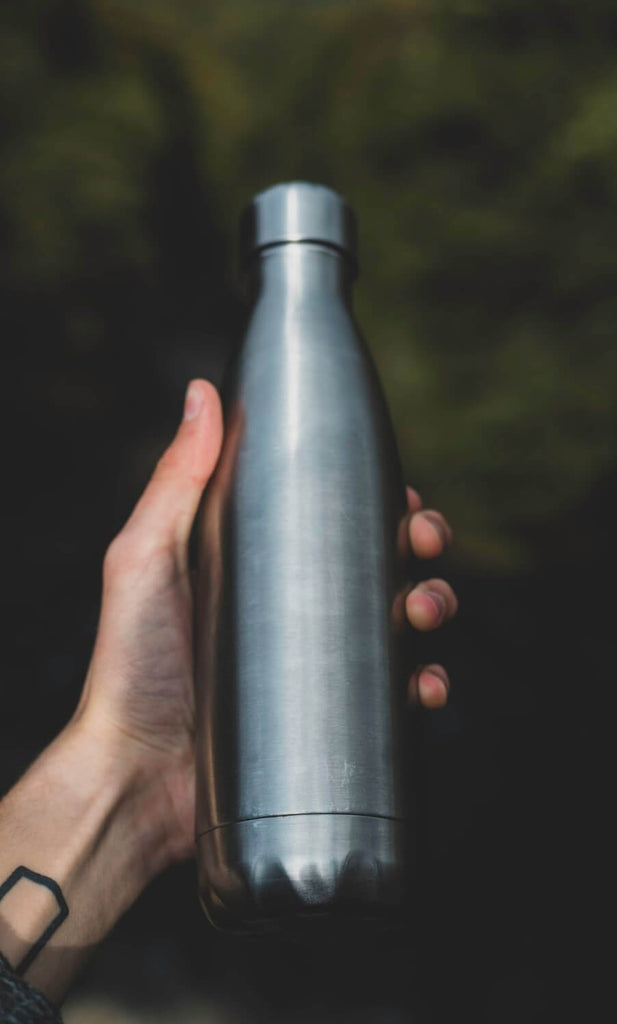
(477,142)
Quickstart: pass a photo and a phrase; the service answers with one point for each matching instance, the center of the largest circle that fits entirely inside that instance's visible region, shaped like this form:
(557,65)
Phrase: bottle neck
(303,272)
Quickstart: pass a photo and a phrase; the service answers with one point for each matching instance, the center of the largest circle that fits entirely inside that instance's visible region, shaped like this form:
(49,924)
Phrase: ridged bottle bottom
(302,872)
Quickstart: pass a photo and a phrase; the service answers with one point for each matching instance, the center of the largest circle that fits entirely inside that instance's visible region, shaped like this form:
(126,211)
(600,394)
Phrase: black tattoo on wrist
(63,910)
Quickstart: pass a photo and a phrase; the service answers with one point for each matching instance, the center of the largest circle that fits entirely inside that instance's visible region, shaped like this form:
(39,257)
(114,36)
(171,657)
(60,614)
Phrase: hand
(138,695)
(110,802)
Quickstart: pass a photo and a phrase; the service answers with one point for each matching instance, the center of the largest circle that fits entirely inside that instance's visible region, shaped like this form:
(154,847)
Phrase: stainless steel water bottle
(302,779)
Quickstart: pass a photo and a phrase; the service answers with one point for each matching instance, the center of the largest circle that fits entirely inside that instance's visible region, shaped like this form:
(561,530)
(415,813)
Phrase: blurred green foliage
(477,142)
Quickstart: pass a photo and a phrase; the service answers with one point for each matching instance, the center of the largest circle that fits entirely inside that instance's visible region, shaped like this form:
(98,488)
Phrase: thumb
(164,514)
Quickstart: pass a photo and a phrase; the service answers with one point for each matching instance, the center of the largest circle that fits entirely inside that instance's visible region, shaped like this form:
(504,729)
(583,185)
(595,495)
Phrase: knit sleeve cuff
(20,1003)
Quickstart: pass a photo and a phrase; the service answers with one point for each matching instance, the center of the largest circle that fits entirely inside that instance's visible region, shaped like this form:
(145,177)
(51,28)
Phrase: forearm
(82,817)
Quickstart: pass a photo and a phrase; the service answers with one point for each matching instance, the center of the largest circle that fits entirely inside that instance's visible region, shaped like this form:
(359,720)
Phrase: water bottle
(303,787)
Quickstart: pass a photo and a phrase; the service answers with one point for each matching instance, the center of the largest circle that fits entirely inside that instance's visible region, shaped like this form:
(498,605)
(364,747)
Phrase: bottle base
(303,873)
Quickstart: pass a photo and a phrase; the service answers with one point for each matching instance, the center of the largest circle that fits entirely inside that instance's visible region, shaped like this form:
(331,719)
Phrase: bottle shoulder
(321,333)
(309,378)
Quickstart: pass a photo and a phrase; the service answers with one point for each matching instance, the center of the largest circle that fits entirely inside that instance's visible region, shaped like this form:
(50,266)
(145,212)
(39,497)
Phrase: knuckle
(129,555)
(114,558)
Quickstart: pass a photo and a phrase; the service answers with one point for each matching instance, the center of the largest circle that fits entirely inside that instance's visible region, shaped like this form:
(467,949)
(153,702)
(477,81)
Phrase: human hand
(111,801)
(138,695)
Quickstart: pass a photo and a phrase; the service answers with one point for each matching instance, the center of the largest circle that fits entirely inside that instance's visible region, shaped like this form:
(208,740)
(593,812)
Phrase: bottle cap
(297,211)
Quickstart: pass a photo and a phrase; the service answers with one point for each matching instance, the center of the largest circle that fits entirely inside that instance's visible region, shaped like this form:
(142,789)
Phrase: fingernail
(437,524)
(440,603)
(439,673)
(193,401)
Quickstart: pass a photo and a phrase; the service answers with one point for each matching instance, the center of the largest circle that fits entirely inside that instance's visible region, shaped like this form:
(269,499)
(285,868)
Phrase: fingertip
(433,694)
(429,534)
(426,609)
(432,686)
(193,400)
(168,504)
(203,419)
(201,397)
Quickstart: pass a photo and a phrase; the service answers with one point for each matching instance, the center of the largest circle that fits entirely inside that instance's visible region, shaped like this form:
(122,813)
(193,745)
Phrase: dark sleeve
(20,1003)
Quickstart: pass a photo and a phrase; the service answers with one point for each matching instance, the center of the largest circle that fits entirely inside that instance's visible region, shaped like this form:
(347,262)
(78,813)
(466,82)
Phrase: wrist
(82,816)
(152,786)
(121,793)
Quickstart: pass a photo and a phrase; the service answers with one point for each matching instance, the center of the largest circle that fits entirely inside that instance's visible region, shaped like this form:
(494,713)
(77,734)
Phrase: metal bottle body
(301,767)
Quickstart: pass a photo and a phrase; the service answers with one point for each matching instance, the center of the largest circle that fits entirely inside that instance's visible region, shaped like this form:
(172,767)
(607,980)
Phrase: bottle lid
(297,211)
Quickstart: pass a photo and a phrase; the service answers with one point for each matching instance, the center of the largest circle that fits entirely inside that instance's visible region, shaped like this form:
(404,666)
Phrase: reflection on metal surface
(296,869)
(301,694)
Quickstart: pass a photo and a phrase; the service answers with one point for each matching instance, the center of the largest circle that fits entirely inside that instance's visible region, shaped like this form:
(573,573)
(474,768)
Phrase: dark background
(478,144)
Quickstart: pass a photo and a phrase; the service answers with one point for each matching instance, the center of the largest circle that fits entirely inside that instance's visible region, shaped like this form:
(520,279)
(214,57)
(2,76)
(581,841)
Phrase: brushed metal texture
(301,690)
